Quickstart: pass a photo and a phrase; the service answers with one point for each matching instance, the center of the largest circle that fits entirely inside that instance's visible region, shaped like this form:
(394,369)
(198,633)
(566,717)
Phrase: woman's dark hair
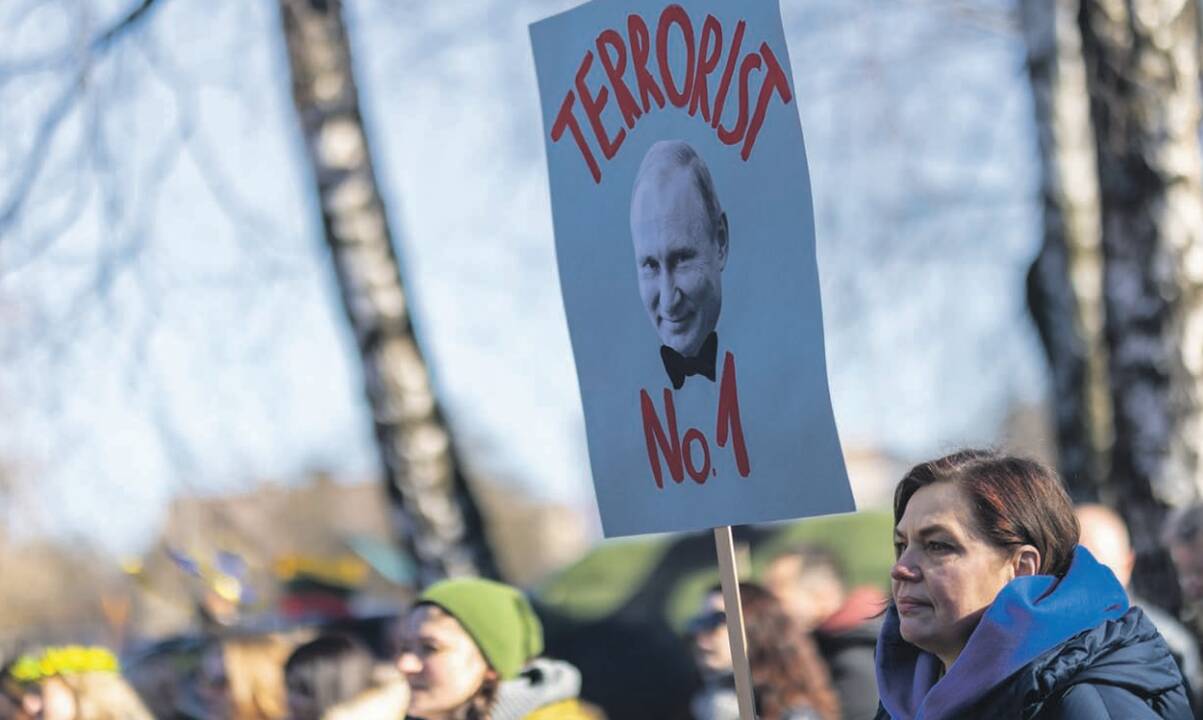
(1015,501)
(480,705)
(787,673)
(328,670)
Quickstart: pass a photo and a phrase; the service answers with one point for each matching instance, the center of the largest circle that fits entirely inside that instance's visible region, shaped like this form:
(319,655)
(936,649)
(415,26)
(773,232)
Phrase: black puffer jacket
(1121,669)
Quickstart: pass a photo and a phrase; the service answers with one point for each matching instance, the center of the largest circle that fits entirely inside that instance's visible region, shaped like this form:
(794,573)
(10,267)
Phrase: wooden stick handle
(725,545)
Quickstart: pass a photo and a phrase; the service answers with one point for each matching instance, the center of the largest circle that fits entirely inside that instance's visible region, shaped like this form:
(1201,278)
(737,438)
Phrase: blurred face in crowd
(1188,561)
(809,596)
(25,705)
(679,258)
(708,633)
(1104,534)
(947,573)
(58,702)
(441,662)
(301,705)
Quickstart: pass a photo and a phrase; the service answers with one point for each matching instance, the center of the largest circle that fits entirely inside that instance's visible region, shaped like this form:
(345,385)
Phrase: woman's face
(58,702)
(947,573)
(440,660)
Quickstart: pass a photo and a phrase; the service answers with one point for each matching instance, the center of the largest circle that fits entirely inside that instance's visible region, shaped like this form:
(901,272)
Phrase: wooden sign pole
(725,545)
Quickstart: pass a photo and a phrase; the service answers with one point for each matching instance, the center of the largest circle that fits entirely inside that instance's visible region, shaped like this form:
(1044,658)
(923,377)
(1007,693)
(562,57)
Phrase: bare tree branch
(39,151)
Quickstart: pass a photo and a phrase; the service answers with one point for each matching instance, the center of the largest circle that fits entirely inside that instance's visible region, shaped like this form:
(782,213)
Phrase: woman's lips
(907,606)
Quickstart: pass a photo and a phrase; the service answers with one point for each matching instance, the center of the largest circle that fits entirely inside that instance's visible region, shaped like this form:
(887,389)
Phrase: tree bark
(437,518)
(1142,67)
(1065,280)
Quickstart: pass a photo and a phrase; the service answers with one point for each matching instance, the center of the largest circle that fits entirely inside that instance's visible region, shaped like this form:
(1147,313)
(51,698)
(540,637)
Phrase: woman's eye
(899,548)
(938,547)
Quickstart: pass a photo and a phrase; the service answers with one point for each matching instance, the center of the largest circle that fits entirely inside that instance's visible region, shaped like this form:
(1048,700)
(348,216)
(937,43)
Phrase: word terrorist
(658,84)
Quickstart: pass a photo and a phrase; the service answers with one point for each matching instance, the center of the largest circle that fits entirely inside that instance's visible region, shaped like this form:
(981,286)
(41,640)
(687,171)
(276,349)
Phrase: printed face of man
(680,258)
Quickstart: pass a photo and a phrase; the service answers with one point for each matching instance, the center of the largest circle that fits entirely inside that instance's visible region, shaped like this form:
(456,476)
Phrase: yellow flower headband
(68,660)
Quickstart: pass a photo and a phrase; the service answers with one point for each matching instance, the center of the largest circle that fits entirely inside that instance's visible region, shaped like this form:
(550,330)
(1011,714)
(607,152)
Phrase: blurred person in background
(242,677)
(1183,537)
(19,699)
(811,583)
(1105,535)
(91,696)
(324,672)
(385,701)
(465,645)
(998,612)
(789,680)
(161,674)
(76,683)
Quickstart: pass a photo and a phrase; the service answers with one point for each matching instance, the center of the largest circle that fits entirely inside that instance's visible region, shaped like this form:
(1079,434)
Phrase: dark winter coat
(1045,649)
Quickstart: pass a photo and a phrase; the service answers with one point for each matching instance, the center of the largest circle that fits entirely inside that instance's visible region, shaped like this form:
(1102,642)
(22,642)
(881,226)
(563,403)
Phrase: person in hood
(998,613)
(467,648)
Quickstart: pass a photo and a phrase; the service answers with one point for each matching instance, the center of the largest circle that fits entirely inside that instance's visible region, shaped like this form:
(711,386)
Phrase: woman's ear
(1026,561)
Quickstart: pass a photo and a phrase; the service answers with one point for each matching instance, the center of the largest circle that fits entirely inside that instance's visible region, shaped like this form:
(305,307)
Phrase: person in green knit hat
(468,643)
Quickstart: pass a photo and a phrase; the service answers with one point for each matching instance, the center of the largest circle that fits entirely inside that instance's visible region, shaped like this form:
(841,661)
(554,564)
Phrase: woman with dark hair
(325,671)
(999,613)
(789,680)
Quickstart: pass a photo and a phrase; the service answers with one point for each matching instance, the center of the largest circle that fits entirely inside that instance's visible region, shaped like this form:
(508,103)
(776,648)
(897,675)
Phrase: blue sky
(181,334)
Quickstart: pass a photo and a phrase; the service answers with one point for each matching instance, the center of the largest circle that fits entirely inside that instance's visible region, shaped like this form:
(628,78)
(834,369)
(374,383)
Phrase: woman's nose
(409,664)
(904,570)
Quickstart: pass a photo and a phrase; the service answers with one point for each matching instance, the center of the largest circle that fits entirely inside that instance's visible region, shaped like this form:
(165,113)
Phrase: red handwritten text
(679,452)
(655,82)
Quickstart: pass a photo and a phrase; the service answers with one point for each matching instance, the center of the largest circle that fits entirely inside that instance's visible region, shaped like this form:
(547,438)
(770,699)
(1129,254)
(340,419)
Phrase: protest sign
(685,242)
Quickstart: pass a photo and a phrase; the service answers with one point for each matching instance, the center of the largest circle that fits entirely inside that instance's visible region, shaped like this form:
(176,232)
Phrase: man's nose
(668,289)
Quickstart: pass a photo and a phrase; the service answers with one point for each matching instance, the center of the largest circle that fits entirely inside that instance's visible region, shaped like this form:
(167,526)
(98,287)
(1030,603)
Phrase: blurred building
(282,552)
(873,473)
(277,553)
(532,539)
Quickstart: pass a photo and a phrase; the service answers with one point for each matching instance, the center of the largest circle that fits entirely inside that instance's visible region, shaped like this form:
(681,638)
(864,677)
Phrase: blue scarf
(1030,616)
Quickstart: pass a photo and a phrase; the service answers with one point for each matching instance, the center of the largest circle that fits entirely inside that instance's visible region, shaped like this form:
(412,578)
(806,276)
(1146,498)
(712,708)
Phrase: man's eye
(938,547)
(899,548)
(650,265)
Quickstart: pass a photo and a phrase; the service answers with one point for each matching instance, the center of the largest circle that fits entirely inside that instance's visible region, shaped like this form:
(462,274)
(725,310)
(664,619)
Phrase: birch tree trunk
(437,518)
(1142,66)
(1065,281)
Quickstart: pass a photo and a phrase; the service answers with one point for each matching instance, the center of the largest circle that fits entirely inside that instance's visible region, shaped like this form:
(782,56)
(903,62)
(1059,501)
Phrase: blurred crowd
(467,648)
(998,582)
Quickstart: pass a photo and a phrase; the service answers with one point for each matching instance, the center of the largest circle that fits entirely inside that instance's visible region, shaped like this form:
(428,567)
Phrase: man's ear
(720,237)
(1026,561)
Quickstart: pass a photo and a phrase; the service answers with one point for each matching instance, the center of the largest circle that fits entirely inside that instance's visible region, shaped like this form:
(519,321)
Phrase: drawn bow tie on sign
(680,367)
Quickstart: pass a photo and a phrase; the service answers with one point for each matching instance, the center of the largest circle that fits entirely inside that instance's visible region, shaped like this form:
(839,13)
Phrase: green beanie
(498,617)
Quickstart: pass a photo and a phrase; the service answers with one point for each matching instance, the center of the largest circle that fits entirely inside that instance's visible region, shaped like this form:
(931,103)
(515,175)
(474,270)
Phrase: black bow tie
(680,367)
